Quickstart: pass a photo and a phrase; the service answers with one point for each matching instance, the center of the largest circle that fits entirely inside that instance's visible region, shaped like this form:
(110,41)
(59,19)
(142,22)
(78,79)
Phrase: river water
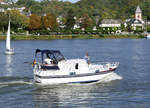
(128,87)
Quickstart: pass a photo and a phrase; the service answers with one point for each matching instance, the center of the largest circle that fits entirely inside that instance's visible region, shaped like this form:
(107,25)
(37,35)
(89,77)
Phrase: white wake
(111,77)
(4,84)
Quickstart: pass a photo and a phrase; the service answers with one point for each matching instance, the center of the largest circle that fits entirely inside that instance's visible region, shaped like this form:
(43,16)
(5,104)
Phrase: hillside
(121,9)
(118,9)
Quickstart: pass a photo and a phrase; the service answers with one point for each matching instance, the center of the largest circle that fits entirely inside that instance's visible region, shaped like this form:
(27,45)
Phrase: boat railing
(105,63)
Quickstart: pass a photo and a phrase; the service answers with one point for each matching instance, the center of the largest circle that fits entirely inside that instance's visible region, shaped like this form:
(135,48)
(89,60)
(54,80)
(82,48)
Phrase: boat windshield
(54,55)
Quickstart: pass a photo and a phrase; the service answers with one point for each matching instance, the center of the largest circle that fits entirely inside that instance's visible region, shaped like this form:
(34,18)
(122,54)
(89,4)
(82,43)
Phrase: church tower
(138,13)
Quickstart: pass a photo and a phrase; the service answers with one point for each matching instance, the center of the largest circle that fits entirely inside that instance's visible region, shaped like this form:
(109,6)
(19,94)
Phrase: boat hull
(9,52)
(83,78)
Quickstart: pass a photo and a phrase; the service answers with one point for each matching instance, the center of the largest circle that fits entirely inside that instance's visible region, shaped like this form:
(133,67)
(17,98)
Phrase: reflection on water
(9,65)
(72,95)
(62,95)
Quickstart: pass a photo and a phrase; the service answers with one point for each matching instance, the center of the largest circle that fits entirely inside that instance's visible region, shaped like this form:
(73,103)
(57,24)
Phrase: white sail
(9,50)
(8,37)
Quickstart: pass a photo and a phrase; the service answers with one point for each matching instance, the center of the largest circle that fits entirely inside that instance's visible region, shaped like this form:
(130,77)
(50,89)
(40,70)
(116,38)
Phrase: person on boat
(34,62)
(48,61)
(87,57)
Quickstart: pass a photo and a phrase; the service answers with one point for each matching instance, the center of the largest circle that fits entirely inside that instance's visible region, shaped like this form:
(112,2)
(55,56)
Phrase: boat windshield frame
(55,55)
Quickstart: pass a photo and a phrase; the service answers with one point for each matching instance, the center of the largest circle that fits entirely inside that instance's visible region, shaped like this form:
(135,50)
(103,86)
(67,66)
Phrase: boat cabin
(48,58)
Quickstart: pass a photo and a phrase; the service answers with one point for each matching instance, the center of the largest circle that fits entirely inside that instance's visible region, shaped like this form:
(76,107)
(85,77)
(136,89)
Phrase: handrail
(99,62)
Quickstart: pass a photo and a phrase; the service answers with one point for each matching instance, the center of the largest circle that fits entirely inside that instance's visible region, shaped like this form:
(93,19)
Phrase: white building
(77,23)
(111,23)
(21,9)
(137,21)
(3,2)
(2,10)
(60,21)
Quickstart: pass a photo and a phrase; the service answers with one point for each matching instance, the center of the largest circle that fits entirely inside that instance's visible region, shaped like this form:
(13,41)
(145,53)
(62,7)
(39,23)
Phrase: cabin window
(76,66)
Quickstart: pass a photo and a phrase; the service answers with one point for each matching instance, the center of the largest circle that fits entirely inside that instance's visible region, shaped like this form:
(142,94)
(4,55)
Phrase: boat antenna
(87,54)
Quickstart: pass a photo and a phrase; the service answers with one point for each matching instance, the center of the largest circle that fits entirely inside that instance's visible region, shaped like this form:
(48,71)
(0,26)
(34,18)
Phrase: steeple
(138,10)
(138,13)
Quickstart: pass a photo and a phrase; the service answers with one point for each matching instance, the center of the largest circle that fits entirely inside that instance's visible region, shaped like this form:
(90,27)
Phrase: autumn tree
(35,22)
(50,21)
(86,21)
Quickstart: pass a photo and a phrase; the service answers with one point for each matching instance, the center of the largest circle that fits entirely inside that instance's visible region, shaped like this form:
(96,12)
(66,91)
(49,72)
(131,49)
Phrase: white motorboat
(52,68)
(9,50)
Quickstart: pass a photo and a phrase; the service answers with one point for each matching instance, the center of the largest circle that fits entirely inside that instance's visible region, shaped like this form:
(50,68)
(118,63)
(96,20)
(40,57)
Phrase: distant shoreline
(53,37)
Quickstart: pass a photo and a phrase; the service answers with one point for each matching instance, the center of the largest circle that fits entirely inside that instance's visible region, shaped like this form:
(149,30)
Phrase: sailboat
(9,50)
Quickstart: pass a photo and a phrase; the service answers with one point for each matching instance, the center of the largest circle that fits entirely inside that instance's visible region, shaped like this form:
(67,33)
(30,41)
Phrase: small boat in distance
(9,50)
(50,67)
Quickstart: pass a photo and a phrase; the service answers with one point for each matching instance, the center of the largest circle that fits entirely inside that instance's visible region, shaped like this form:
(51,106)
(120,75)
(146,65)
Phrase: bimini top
(55,55)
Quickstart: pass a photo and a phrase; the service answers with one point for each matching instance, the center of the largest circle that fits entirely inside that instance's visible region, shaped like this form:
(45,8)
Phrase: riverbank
(53,37)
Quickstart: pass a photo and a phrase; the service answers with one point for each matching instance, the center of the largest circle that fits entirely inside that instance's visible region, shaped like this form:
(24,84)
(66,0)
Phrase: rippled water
(128,87)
